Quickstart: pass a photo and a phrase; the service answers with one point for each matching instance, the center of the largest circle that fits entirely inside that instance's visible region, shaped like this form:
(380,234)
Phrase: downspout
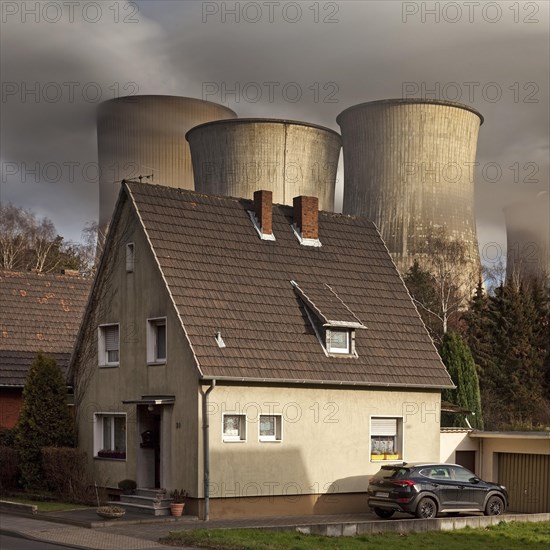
(206,450)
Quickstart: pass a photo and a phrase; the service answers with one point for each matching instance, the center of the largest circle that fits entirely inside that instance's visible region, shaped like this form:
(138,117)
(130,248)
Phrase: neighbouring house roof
(223,278)
(39,312)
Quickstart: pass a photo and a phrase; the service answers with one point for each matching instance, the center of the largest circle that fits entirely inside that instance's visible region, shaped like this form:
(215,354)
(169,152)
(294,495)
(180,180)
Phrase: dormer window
(333,322)
(338,341)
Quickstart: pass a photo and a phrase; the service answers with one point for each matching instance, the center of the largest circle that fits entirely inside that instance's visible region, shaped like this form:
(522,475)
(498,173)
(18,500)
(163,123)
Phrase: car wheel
(426,508)
(494,507)
(384,514)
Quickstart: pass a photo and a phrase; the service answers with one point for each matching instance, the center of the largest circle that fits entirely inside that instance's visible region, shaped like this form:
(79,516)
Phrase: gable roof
(223,278)
(40,312)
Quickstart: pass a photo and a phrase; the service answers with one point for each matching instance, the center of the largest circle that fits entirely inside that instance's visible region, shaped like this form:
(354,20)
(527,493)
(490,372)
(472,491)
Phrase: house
(39,312)
(265,358)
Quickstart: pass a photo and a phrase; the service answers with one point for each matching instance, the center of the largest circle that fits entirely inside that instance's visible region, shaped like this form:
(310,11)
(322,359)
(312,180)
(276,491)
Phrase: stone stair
(152,502)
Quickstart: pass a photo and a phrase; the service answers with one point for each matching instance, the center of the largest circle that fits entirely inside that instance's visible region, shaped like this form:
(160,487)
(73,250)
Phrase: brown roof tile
(39,312)
(224,278)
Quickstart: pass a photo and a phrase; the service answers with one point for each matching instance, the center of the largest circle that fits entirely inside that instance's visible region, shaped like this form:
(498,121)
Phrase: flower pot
(176,508)
(377,457)
(391,457)
(110,512)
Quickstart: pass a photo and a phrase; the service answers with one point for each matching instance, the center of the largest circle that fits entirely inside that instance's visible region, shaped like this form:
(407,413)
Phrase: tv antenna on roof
(140,178)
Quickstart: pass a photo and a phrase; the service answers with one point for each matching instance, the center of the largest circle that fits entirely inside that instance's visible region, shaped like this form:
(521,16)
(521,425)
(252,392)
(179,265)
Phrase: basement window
(108,345)
(234,427)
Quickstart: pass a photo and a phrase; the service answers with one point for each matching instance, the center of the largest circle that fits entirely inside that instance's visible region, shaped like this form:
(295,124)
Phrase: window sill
(109,458)
(113,366)
(234,440)
(271,440)
(156,363)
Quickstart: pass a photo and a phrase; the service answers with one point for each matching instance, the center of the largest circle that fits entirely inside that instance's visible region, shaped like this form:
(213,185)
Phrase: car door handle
(435,484)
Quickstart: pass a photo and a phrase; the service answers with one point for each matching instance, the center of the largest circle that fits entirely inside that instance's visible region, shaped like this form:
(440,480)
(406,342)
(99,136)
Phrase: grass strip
(504,536)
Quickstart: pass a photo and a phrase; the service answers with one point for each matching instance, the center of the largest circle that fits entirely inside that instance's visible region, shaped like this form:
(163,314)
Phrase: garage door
(527,478)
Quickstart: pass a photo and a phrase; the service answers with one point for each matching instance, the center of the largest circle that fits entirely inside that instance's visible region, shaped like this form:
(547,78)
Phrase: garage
(527,478)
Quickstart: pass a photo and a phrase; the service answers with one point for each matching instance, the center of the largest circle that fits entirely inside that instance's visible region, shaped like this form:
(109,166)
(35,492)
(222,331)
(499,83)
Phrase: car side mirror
(474,480)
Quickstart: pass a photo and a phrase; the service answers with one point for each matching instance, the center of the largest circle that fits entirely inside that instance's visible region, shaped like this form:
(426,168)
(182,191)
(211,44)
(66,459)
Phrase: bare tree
(449,275)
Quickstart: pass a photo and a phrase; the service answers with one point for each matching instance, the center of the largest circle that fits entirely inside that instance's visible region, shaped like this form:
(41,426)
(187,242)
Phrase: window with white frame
(234,427)
(109,345)
(271,427)
(130,257)
(386,438)
(156,340)
(110,435)
(338,341)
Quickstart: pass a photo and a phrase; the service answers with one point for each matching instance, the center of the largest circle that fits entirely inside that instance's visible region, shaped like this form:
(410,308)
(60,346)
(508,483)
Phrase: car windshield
(392,472)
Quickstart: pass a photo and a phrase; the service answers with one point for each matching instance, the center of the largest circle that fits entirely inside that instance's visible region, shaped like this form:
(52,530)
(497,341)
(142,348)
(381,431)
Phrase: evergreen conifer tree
(45,420)
(459,362)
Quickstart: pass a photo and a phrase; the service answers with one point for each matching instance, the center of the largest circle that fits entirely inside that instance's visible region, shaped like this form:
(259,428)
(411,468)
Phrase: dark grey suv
(426,490)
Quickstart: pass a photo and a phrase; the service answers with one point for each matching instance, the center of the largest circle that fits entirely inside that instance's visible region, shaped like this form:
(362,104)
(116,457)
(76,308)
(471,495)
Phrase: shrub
(7,437)
(128,486)
(65,472)
(10,471)
(45,419)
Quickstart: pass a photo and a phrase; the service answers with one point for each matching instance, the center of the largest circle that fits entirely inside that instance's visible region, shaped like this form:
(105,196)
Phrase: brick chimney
(263,208)
(306,216)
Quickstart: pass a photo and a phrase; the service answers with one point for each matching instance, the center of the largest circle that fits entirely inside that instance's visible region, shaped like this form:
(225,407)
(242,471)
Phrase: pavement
(78,528)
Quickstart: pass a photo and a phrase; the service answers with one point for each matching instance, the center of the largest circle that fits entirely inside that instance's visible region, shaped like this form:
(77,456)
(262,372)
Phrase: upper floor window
(338,340)
(130,257)
(156,340)
(109,345)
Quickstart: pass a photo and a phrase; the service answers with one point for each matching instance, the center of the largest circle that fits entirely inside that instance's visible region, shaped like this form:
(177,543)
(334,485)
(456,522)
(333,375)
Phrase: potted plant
(110,512)
(177,506)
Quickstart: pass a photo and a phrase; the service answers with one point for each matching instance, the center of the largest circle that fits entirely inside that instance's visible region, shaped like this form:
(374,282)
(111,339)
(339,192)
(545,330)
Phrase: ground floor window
(271,427)
(386,438)
(110,435)
(234,427)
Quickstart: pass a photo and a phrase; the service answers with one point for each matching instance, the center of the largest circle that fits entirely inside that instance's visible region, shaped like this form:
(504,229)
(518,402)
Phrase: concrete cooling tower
(528,238)
(409,167)
(143,135)
(237,157)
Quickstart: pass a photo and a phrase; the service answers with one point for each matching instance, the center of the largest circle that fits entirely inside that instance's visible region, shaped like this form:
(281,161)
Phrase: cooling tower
(143,135)
(237,157)
(409,167)
(527,233)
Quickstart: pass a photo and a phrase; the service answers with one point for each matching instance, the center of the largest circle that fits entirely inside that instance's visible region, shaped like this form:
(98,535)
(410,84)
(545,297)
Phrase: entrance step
(152,502)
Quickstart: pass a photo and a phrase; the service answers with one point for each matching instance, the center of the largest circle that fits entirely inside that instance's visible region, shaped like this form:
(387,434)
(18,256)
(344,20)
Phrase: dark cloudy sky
(59,62)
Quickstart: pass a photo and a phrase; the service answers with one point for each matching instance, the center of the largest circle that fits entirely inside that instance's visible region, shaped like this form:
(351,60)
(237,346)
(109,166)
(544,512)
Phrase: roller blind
(383,426)
(111,338)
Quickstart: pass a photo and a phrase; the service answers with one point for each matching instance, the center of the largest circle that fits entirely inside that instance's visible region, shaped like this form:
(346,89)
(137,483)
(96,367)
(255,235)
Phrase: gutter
(206,450)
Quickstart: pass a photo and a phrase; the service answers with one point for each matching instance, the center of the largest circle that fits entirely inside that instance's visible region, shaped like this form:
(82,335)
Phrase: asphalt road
(8,542)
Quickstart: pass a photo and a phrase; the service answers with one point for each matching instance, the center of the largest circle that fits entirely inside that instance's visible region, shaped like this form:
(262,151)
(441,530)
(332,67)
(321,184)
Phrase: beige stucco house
(265,358)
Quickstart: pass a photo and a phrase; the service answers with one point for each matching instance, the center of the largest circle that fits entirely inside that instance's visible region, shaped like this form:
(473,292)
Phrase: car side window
(463,475)
(437,472)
